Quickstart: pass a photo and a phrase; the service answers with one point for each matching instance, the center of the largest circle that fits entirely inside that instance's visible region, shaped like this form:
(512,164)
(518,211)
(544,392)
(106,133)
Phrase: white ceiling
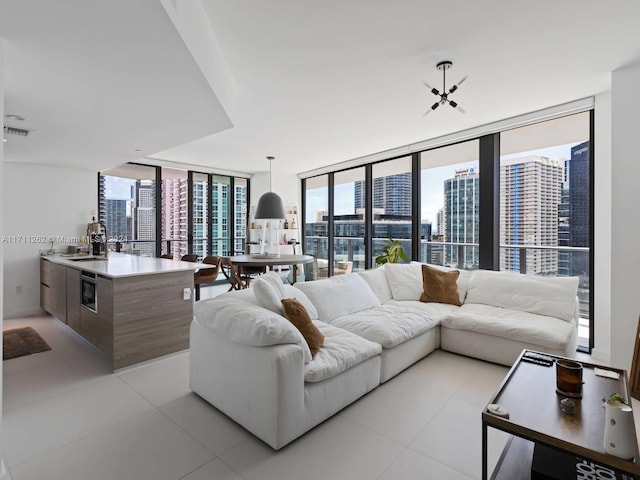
(315,83)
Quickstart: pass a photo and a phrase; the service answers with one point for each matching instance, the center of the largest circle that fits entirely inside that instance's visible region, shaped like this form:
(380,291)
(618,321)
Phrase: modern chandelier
(444,95)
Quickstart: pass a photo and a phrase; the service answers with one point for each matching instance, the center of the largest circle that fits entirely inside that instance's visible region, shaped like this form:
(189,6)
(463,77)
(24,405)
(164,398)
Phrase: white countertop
(125,265)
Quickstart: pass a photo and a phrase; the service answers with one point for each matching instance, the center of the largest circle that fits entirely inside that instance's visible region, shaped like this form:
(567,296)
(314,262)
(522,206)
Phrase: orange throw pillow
(439,286)
(295,312)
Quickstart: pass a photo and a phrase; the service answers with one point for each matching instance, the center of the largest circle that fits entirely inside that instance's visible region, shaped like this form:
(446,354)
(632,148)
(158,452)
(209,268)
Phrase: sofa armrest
(260,387)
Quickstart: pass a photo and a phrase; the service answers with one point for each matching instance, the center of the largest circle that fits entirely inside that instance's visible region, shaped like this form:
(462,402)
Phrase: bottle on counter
(293,223)
(286,224)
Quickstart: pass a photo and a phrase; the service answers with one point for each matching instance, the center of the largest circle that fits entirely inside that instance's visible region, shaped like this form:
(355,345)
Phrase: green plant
(616,397)
(391,253)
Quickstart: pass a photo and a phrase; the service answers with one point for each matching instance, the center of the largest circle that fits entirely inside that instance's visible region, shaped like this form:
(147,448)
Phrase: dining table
(269,261)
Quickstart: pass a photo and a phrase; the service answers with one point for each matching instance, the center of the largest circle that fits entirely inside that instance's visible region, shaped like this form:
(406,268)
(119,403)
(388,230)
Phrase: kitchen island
(129,307)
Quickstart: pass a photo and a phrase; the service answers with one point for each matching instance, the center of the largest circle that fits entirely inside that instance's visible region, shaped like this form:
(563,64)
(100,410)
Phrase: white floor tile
(455,433)
(39,427)
(202,421)
(398,410)
(413,466)
(147,447)
(338,449)
(214,470)
(160,381)
(52,379)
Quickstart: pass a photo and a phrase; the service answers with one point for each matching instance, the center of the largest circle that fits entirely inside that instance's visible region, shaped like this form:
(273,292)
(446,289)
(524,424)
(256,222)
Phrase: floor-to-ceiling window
(348,220)
(240,211)
(450,194)
(189,212)
(545,203)
(220,215)
(392,205)
(174,212)
(200,220)
(127,200)
(316,222)
(535,202)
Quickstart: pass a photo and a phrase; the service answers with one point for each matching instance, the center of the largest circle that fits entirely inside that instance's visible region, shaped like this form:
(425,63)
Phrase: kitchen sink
(85,259)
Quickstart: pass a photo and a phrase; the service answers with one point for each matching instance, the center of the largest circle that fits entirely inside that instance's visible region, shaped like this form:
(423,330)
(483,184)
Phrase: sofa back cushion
(377,280)
(405,280)
(338,296)
(242,322)
(552,296)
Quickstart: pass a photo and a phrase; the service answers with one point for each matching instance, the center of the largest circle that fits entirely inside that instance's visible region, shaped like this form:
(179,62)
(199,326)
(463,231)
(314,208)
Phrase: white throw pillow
(338,296)
(377,280)
(405,280)
(274,279)
(267,295)
(242,322)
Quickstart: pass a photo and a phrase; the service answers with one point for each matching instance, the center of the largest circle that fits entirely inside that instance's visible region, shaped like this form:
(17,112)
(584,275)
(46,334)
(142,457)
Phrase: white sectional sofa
(251,363)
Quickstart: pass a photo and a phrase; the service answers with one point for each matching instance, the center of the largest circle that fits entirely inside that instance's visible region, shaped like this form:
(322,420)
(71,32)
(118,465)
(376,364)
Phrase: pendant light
(270,205)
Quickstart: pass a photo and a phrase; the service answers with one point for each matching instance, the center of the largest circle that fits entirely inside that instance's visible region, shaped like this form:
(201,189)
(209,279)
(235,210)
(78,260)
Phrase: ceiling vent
(21,132)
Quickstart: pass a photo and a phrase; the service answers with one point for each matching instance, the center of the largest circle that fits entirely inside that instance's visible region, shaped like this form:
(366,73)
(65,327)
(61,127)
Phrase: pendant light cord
(270,160)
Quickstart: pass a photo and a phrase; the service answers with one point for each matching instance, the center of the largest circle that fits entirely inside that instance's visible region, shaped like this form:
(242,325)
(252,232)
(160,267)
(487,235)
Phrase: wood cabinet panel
(150,316)
(73,299)
(54,298)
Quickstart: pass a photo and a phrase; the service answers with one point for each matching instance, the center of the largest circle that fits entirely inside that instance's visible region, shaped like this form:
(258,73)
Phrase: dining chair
(167,255)
(206,275)
(235,279)
(189,258)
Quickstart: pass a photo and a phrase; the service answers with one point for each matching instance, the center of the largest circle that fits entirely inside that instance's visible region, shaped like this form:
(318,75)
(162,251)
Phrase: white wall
(287,185)
(625,214)
(601,352)
(41,201)
(4,474)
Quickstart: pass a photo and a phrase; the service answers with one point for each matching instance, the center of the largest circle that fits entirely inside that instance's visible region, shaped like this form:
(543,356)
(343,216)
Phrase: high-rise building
(220,218)
(530,195)
(461,217)
(144,216)
(391,193)
(115,214)
(174,215)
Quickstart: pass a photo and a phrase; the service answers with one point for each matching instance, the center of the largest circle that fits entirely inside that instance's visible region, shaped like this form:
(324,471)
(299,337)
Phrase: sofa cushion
(405,280)
(543,330)
(388,325)
(431,310)
(552,296)
(341,351)
(439,286)
(242,322)
(269,292)
(377,280)
(406,283)
(295,312)
(337,296)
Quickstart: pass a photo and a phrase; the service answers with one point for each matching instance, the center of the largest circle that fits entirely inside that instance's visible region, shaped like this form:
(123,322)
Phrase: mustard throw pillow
(439,286)
(295,312)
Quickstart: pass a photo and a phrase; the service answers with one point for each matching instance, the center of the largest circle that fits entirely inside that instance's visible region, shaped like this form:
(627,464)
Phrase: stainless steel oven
(88,290)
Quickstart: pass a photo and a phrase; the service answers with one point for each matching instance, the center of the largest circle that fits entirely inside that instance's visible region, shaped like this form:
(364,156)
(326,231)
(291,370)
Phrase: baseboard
(599,356)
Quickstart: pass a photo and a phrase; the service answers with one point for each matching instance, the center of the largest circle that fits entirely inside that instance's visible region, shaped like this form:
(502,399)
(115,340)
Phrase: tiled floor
(66,416)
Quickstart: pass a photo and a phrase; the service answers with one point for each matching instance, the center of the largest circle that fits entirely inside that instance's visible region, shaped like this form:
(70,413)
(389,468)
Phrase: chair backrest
(189,258)
(208,275)
(167,255)
(230,271)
